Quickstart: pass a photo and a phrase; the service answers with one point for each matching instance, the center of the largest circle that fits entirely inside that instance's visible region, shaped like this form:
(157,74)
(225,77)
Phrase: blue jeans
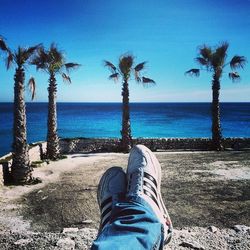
(133,225)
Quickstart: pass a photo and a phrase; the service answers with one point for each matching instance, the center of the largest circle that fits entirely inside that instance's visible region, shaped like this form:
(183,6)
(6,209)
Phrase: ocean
(147,120)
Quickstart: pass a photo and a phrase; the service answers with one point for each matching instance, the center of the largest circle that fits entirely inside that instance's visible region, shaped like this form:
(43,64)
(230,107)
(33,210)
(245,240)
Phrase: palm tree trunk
(216,127)
(126,141)
(20,169)
(52,138)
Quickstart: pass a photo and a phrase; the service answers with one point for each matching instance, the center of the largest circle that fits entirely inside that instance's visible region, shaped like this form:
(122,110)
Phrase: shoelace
(143,182)
(135,182)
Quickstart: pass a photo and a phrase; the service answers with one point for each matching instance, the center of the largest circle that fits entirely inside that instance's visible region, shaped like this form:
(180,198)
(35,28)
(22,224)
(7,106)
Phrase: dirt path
(200,189)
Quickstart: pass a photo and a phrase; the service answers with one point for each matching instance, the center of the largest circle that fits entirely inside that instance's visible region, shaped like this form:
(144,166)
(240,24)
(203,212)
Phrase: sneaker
(112,186)
(144,180)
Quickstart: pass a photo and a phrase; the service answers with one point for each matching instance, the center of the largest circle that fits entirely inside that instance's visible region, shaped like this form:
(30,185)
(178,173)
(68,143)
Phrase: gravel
(197,238)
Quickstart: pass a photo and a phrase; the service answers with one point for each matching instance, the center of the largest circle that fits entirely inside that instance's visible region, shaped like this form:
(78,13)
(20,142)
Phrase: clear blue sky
(165,33)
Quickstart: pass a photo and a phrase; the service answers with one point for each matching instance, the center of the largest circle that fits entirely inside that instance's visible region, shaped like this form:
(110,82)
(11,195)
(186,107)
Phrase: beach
(206,193)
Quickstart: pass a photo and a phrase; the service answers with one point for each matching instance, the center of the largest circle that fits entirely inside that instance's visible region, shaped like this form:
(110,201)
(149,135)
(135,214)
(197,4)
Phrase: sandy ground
(200,189)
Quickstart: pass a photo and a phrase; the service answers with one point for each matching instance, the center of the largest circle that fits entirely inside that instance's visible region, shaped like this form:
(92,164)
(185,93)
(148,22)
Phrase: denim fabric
(133,225)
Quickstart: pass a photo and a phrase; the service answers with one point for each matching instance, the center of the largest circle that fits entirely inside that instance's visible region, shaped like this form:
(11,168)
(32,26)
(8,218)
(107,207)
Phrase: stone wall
(79,145)
(83,145)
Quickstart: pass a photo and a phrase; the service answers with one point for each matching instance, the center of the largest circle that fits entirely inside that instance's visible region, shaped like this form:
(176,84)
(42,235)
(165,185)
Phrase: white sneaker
(111,187)
(144,180)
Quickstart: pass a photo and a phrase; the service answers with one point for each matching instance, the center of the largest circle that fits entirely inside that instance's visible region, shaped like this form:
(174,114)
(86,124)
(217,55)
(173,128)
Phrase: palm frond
(193,72)
(27,53)
(147,80)
(140,66)
(38,62)
(220,55)
(3,45)
(18,56)
(32,49)
(137,69)
(202,61)
(22,55)
(32,87)
(234,76)
(9,60)
(238,62)
(42,60)
(137,77)
(70,66)
(110,65)
(66,78)
(114,77)
(125,63)
(205,52)
(56,67)
(221,50)
(55,55)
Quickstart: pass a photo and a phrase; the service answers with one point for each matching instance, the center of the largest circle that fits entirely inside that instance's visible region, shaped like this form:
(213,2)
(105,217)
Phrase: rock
(23,242)
(192,245)
(241,228)
(66,244)
(213,229)
(45,197)
(237,241)
(34,181)
(70,230)
(40,191)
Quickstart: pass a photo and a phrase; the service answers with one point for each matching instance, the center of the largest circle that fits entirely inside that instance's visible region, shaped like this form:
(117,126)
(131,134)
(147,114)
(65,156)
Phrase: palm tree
(213,60)
(124,70)
(52,61)
(20,169)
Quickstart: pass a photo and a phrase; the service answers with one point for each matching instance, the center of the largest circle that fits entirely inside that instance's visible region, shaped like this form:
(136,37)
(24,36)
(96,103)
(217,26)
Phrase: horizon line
(134,102)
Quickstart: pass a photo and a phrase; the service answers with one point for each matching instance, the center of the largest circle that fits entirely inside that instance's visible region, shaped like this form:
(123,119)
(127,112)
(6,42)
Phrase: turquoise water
(147,120)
